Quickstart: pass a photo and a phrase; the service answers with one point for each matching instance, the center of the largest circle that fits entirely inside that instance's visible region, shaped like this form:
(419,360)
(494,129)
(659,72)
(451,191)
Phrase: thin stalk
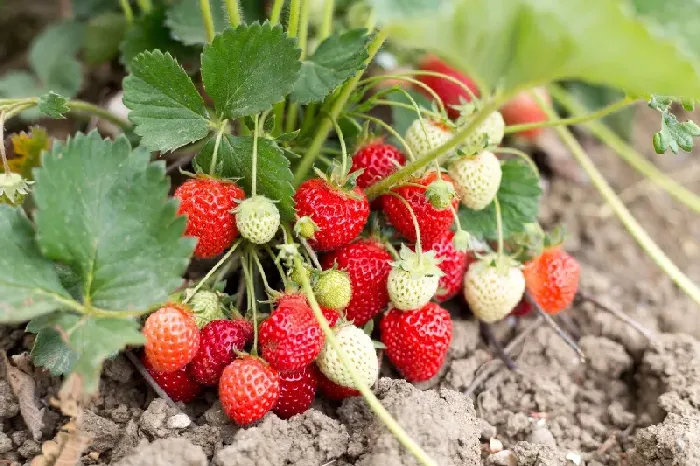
(80,106)
(128,11)
(276,261)
(205,8)
(337,107)
(419,249)
(630,223)
(374,404)
(3,153)
(369,81)
(276,12)
(389,129)
(524,156)
(499,226)
(628,154)
(434,74)
(261,270)
(391,103)
(327,24)
(344,151)
(250,290)
(293,23)
(234,12)
(213,270)
(254,173)
(554,326)
(311,253)
(293,109)
(612,108)
(217,143)
(145,5)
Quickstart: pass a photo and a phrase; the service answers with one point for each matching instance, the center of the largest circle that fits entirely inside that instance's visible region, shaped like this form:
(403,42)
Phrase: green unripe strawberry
(413,280)
(359,350)
(257,219)
(333,289)
(206,307)
(493,287)
(13,188)
(488,133)
(476,179)
(424,136)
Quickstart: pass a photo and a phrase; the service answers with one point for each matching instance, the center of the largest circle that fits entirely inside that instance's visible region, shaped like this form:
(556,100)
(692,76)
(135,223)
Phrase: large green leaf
(103,211)
(248,69)
(29,284)
(234,160)
(337,58)
(103,36)
(518,197)
(186,25)
(52,353)
(165,106)
(677,17)
(52,57)
(521,43)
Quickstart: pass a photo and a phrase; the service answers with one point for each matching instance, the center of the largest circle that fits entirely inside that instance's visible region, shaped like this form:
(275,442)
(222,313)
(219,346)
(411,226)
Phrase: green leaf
(676,17)
(103,36)
(52,353)
(186,25)
(103,211)
(52,57)
(248,69)
(53,105)
(405,9)
(523,43)
(89,8)
(595,97)
(235,161)
(518,196)
(337,59)
(18,84)
(165,106)
(29,285)
(675,135)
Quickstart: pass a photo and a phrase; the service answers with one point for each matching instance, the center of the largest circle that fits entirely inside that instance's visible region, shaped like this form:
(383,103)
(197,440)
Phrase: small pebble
(179,421)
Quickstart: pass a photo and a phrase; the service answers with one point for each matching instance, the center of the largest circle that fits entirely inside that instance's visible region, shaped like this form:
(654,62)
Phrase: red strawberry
(208,203)
(454,264)
(417,341)
(297,392)
(522,309)
(332,390)
(339,215)
(246,328)
(523,109)
(368,264)
(172,338)
(248,389)
(331,315)
(291,338)
(552,279)
(431,221)
(449,91)
(178,385)
(378,159)
(219,339)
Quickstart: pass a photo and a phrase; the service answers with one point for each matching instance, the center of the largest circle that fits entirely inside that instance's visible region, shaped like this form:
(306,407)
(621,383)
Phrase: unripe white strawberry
(493,287)
(257,219)
(205,307)
(424,136)
(490,132)
(476,179)
(333,289)
(359,351)
(413,280)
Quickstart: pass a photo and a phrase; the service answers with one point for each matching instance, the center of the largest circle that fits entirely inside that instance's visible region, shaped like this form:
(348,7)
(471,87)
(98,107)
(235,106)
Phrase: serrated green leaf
(523,43)
(248,69)
(235,161)
(103,211)
(675,135)
(29,285)
(518,196)
(165,106)
(185,21)
(52,57)
(103,36)
(595,97)
(52,353)
(53,105)
(337,59)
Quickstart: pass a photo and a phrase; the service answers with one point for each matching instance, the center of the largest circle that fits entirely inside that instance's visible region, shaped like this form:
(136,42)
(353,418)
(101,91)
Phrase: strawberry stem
(211,272)
(128,11)
(344,150)
(3,154)
(311,253)
(419,249)
(217,143)
(252,299)
(327,24)
(254,173)
(389,129)
(276,12)
(368,82)
(499,227)
(234,13)
(205,8)
(276,260)
(524,156)
(270,292)
(145,5)
(559,331)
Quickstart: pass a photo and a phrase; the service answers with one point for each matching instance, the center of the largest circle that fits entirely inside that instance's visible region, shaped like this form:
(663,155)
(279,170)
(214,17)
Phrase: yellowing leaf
(27,150)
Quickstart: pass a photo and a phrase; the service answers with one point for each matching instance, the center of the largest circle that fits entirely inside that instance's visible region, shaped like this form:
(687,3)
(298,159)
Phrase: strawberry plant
(329,214)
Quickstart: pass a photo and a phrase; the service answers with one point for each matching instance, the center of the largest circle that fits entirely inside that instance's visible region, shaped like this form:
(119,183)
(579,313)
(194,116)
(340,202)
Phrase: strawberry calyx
(440,194)
(419,264)
(13,188)
(305,227)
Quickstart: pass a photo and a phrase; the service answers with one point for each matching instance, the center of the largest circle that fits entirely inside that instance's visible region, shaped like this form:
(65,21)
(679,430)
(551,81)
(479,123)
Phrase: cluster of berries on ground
(357,276)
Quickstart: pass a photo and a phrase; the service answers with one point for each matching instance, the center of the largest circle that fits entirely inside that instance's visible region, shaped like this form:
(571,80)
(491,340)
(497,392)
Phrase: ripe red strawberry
(246,328)
(378,159)
(178,385)
(339,215)
(297,392)
(552,279)
(291,338)
(449,91)
(172,338)
(453,264)
(431,221)
(208,204)
(332,390)
(417,341)
(522,309)
(248,389)
(331,315)
(368,264)
(219,339)
(523,109)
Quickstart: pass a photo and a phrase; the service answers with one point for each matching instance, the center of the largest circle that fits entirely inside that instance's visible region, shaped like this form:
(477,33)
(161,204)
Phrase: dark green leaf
(53,105)
(337,59)
(185,21)
(518,196)
(235,161)
(29,285)
(288,136)
(595,97)
(103,211)
(248,69)
(675,135)
(89,8)
(52,353)
(52,57)
(165,106)
(103,36)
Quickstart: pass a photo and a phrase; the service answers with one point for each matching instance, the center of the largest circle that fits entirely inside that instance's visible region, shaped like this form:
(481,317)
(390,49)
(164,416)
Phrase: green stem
(205,8)
(250,286)
(276,12)
(414,219)
(128,11)
(217,143)
(261,270)
(326,124)
(293,22)
(628,154)
(370,81)
(389,129)
(254,173)
(420,111)
(80,106)
(367,394)
(630,223)
(213,270)
(327,24)
(145,5)
(276,261)
(343,149)
(304,28)
(612,108)
(524,156)
(3,154)
(234,12)
(499,226)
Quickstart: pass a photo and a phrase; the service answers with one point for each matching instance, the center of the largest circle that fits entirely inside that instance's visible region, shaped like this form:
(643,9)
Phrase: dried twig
(493,342)
(144,373)
(562,334)
(24,388)
(649,334)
